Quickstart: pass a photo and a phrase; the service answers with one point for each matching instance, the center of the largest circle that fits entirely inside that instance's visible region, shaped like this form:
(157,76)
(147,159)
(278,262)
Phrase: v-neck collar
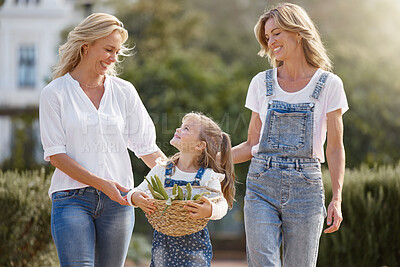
(85,97)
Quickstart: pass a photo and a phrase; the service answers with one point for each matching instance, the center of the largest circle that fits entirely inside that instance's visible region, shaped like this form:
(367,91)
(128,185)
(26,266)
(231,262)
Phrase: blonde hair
(94,27)
(216,141)
(293,18)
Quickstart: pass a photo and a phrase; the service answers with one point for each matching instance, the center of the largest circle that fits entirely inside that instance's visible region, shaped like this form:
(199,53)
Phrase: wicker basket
(176,220)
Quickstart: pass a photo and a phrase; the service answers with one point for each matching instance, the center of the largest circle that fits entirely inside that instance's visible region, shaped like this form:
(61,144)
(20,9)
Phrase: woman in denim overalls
(295,105)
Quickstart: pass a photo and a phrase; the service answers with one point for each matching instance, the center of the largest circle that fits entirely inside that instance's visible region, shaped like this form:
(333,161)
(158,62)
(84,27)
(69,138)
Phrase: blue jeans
(284,204)
(89,229)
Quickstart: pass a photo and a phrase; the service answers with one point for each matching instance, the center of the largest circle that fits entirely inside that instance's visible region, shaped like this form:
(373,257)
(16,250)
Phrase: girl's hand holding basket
(199,210)
(143,201)
(184,211)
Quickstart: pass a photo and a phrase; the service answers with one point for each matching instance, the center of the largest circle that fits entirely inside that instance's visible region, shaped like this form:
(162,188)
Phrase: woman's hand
(199,210)
(74,170)
(143,201)
(112,190)
(335,217)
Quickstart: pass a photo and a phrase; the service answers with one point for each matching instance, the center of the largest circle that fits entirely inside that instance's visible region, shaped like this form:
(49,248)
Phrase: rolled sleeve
(52,133)
(336,96)
(141,130)
(50,151)
(220,207)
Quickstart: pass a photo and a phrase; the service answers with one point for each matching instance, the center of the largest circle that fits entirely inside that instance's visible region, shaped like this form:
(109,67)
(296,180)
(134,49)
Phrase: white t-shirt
(332,97)
(96,139)
(210,179)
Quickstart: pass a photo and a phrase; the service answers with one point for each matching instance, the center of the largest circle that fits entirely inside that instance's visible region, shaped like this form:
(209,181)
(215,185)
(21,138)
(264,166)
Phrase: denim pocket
(311,174)
(63,195)
(287,130)
(257,167)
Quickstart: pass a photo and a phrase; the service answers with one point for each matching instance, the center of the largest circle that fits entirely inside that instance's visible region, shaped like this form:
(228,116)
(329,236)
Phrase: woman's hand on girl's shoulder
(199,210)
(143,201)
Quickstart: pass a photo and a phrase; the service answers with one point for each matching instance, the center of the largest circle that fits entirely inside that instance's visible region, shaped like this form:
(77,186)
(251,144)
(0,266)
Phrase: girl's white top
(332,97)
(210,179)
(96,138)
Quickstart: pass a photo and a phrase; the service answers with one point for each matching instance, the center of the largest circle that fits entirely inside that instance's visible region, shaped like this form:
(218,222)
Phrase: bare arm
(150,160)
(335,155)
(242,152)
(74,170)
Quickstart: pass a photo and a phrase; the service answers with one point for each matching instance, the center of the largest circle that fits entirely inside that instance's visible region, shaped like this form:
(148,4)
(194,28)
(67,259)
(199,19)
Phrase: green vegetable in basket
(189,191)
(154,184)
(170,199)
(198,196)
(155,194)
(180,193)
(154,189)
(161,187)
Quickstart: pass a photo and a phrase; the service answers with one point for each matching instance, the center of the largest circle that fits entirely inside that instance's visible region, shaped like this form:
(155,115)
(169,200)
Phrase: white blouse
(96,138)
(210,179)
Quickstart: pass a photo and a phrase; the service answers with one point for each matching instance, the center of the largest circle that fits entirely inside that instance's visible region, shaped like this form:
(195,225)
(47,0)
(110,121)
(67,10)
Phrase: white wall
(32,23)
(37,24)
(5,138)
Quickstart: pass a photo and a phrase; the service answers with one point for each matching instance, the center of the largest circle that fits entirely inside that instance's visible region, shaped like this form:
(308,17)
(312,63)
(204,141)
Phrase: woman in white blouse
(88,119)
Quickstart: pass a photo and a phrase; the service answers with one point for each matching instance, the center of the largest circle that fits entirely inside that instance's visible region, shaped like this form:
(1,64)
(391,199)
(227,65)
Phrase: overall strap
(198,176)
(168,173)
(320,85)
(269,82)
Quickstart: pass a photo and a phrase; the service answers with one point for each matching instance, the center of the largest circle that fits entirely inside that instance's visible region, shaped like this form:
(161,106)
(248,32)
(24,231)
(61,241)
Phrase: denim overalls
(189,250)
(284,200)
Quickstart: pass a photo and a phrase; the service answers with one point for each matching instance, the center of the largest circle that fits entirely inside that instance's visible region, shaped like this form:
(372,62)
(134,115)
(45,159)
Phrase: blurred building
(30,33)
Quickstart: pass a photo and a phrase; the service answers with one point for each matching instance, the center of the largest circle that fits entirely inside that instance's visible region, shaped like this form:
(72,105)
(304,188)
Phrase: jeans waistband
(288,162)
(82,190)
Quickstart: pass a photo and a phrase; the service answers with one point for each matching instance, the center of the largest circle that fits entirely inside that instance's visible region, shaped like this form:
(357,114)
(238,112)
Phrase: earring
(86,51)
(298,42)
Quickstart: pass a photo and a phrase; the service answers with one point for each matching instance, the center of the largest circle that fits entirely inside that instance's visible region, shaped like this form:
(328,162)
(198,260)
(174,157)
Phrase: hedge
(370,232)
(25,233)
(368,235)
(25,217)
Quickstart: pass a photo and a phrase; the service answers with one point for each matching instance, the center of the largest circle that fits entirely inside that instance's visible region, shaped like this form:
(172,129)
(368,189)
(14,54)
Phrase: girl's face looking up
(187,137)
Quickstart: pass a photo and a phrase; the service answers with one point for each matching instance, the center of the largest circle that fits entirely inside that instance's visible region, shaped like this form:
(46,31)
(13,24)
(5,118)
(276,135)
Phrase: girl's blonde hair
(293,18)
(216,141)
(94,27)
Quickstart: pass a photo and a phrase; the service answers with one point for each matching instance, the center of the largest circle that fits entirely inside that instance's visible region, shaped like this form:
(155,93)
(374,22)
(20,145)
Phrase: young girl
(198,140)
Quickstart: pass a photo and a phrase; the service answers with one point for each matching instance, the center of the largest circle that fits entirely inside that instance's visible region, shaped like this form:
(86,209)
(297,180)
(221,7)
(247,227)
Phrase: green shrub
(368,235)
(370,231)
(25,232)
(25,210)
(139,248)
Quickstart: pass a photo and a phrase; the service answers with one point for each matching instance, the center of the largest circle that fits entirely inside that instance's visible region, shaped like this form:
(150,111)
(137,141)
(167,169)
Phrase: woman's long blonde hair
(293,18)
(216,141)
(94,27)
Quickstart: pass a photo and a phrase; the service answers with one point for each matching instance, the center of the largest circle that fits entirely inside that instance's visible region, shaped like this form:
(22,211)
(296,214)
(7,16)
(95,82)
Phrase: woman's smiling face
(103,53)
(282,43)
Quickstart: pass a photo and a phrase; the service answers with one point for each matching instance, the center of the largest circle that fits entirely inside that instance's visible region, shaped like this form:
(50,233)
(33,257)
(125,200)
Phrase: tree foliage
(200,55)
(175,73)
